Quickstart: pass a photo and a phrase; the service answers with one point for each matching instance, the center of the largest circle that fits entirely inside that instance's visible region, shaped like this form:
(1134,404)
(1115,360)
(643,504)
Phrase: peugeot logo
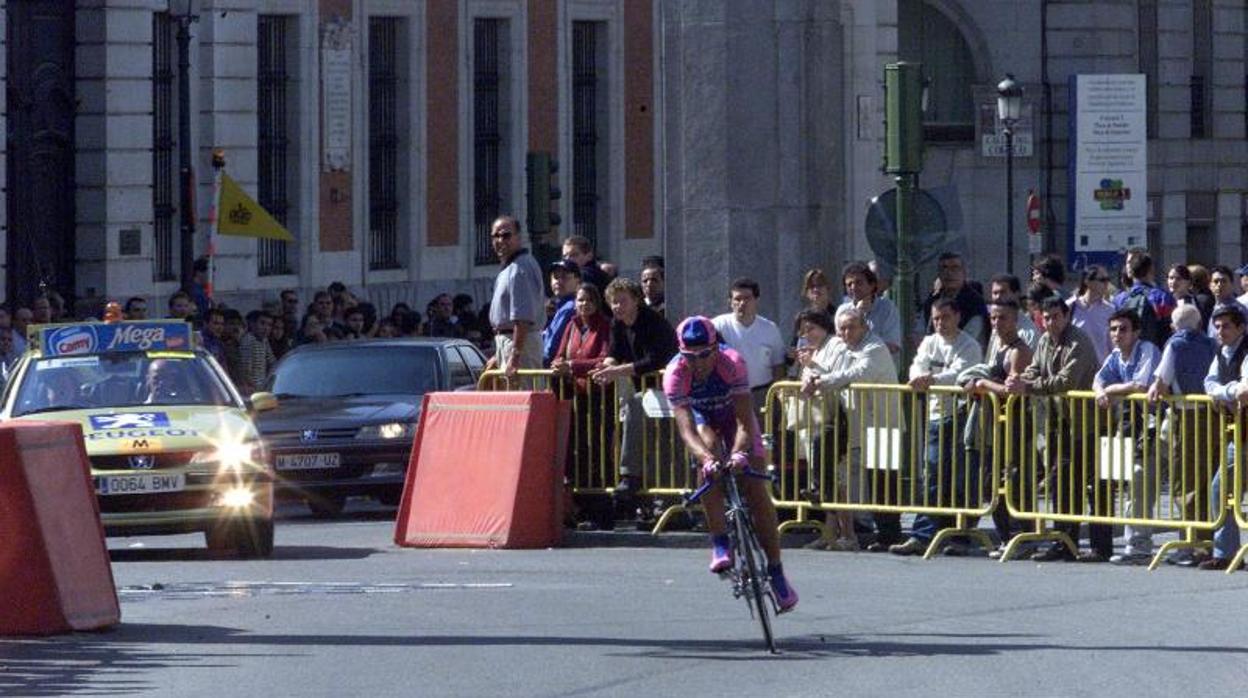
(308,435)
(142,462)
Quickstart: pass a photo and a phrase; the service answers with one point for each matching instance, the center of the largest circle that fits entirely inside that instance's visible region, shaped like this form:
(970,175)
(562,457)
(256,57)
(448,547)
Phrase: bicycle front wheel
(755,586)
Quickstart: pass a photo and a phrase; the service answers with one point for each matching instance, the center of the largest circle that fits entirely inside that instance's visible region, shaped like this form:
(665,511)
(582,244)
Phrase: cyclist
(709,391)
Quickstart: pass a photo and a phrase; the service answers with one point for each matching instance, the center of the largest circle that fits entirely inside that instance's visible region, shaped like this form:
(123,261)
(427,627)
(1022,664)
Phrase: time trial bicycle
(748,572)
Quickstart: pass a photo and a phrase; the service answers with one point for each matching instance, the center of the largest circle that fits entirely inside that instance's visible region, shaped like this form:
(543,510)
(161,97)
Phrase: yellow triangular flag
(239,214)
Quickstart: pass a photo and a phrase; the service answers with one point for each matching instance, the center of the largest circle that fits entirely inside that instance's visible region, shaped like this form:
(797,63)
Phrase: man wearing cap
(708,388)
(518,306)
(565,276)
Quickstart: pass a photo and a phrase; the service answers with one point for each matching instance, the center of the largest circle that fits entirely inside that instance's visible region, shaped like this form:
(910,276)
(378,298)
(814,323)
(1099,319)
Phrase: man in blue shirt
(565,276)
(517,307)
(1129,369)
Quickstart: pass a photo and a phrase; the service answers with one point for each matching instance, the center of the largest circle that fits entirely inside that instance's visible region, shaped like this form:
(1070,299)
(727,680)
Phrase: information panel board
(1107,167)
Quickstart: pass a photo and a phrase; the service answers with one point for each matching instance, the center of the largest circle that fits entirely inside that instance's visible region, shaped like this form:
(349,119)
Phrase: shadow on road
(115,662)
(110,663)
(281,552)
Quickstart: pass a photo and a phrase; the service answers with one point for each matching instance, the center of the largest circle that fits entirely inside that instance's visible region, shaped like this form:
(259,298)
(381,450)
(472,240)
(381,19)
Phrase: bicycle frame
(748,573)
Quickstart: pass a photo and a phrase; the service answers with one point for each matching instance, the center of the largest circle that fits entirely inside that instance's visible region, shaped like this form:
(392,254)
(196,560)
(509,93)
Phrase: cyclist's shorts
(726,427)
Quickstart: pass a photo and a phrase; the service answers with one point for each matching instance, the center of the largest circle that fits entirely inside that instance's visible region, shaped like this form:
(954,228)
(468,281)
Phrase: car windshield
(364,370)
(119,380)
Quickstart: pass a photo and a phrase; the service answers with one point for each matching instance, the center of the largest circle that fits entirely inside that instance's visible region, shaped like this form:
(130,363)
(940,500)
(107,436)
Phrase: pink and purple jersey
(711,400)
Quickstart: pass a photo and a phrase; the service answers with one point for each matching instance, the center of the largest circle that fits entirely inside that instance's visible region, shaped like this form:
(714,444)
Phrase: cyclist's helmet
(696,331)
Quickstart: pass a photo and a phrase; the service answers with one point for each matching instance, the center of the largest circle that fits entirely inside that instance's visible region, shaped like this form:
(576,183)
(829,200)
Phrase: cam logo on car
(135,420)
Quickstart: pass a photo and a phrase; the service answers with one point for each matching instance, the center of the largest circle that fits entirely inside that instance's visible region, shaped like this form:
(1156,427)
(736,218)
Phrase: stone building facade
(731,136)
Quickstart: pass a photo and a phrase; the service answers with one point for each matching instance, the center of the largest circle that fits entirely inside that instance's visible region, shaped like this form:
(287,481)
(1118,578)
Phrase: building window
(926,35)
(1202,69)
(1147,40)
(589,142)
(164,167)
(276,166)
(384,142)
(490,142)
(1202,236)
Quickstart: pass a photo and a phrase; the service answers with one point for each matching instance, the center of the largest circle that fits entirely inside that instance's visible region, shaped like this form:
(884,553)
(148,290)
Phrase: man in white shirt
(941,356)
(754,337)
(1225,383)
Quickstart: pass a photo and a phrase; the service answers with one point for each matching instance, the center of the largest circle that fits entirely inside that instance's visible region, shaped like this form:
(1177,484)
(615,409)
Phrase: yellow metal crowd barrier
(888,449)
(1127,461)
(617,428)
(592,455)
(1053,461)
(1237,507)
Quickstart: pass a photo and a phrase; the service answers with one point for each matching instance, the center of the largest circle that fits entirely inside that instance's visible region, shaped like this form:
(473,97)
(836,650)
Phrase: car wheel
(249,538)
(326,506)
(391,498)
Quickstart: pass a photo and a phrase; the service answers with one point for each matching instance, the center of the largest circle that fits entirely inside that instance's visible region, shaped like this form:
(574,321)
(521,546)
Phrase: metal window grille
(1198,107)
(487,136)
(585,129)
(274,151)
(1202,68)
(164,169)
(383,143)
(1148,57)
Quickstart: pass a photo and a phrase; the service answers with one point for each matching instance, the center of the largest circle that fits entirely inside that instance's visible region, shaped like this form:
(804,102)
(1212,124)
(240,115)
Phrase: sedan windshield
(376,370)
(119,380)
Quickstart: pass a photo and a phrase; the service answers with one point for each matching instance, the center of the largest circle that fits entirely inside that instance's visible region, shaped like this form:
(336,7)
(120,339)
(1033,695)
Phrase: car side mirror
(262,402)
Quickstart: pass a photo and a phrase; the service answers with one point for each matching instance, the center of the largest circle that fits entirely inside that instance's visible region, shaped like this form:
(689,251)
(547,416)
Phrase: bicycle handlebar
(748,472)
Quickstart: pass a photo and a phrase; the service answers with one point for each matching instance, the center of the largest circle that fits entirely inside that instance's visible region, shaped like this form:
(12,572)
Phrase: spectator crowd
(1113,335)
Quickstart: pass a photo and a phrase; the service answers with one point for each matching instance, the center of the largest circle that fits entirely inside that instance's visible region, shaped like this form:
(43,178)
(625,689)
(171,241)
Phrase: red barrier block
(55,575)
(485,472)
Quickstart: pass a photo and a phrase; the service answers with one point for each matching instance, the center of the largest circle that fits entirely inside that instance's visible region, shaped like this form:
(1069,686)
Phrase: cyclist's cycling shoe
(721,554)
(786,595)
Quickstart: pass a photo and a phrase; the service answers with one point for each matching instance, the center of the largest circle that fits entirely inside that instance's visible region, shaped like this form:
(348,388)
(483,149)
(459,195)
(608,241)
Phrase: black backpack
(1152,328)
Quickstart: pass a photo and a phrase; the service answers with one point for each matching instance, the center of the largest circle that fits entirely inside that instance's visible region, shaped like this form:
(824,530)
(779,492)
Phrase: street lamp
(184,13)
(1009,110)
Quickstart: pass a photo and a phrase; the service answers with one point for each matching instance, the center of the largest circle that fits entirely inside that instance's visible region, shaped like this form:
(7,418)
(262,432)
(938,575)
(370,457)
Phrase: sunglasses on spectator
(501,235)
(700,354)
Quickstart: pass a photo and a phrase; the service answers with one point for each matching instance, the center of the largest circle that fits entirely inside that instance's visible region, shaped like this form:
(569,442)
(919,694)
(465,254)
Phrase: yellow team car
(172,445)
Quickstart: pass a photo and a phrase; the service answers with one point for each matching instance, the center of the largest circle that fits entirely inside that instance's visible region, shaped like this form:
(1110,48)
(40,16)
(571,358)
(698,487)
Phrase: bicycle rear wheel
(751,553)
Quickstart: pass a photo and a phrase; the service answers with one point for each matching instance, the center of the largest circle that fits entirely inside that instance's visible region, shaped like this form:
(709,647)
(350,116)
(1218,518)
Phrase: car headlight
(386,432)
(232,455)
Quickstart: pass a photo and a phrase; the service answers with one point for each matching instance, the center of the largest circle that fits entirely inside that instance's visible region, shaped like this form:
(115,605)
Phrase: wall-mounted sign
(1108,166)
(992,135)
(336,39)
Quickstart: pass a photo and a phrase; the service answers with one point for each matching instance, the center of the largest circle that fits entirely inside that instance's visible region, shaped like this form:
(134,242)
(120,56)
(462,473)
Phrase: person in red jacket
(585,343)
(586,339)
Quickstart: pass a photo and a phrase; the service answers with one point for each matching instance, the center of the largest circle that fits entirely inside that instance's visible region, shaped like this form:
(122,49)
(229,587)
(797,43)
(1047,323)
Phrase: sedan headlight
(232,455)
(386,432)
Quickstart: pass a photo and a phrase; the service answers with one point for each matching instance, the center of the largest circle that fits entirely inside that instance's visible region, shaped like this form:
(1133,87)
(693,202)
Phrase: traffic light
(539,169)
(903,117)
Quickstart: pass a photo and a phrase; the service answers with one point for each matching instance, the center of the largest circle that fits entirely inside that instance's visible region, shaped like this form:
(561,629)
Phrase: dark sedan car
(347,414)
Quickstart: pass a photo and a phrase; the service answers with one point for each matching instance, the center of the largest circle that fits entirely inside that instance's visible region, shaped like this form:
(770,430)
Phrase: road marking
(248,589)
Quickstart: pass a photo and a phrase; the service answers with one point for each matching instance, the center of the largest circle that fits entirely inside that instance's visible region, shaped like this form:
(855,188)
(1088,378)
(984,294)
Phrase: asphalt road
(339,611)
